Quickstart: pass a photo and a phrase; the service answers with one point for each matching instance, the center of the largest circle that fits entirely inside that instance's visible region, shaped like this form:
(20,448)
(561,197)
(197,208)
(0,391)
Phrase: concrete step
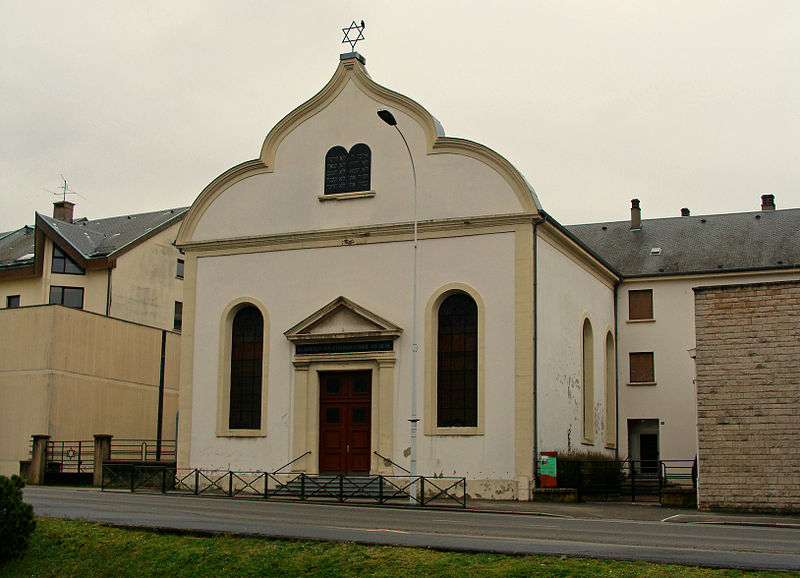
(348,486)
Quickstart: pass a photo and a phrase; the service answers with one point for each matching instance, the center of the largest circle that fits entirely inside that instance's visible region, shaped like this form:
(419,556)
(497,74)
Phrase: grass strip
(76,548)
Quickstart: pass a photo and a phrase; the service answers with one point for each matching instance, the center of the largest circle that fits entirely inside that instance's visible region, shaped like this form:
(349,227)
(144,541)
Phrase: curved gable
(282,191)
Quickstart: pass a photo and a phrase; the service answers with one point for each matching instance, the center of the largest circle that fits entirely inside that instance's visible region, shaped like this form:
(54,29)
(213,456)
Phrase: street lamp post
(389,119)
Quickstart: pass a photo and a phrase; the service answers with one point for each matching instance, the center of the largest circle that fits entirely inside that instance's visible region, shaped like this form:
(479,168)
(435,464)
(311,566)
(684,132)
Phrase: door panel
(345,422)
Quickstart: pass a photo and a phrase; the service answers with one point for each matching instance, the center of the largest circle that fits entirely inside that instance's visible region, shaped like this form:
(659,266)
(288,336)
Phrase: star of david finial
(353,28)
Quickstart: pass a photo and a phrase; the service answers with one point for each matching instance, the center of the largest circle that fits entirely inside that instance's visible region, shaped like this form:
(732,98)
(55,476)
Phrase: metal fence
(142,450)
(76,457)
(444,491)
(626,479)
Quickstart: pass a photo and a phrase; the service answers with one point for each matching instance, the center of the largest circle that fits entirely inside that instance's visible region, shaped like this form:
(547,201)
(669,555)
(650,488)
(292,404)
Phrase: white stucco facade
(332,268)
(571,292)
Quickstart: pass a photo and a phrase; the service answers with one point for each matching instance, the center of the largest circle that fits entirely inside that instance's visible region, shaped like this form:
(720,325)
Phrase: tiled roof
(91,238)
(101,237)
(16,248)
(697,244)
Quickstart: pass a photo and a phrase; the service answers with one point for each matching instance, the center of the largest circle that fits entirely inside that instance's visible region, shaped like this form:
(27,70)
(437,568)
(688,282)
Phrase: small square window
(177,324)
(179,273)
(640,304)
(12,301)
(642,367)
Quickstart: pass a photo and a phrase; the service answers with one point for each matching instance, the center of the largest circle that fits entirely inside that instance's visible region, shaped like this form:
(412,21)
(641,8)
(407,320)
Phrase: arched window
(348,172)
(587,377)
(247,346)
(611,392)
(457,362)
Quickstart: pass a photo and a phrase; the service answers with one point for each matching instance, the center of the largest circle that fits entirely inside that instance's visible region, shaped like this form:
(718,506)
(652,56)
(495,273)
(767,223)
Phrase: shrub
(16,518)
(589,471)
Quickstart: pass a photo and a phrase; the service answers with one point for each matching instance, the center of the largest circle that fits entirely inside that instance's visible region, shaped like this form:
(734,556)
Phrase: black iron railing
(439,491)
(626,479)
(74,456)
(142,450)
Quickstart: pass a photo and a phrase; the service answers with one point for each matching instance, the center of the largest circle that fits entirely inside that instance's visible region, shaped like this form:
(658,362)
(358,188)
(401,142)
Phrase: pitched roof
(92,239)
(102,237)
(697,244)
(16,248)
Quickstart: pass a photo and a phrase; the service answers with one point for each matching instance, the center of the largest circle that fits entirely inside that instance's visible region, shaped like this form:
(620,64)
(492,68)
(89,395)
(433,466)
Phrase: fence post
(421,497)
(102,453)
(38,459)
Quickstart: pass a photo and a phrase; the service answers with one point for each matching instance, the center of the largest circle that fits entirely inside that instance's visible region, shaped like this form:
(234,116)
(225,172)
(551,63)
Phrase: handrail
(391,462)
(293,461)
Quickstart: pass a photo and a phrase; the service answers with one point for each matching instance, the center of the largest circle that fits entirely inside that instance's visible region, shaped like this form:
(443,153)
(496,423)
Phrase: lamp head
(387,117)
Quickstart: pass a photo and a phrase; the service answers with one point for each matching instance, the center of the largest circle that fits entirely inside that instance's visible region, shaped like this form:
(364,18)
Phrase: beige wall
(671,337)
(71,374)
(144,286)
(30,290)
(748,396)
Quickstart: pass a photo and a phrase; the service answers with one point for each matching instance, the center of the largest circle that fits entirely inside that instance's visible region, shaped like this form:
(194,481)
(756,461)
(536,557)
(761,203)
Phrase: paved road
(658,541)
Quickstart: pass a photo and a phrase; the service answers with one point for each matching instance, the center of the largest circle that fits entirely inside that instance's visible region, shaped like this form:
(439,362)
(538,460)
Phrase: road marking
(670,517)
(385,530)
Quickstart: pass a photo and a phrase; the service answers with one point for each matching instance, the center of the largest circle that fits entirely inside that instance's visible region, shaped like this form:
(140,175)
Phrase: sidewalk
(641,511)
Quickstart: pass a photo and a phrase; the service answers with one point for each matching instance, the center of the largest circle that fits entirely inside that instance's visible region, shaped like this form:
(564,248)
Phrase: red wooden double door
(345,421)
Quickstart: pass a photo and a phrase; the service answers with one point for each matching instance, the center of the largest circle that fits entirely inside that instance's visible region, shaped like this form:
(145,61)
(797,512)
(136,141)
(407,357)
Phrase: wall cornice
(386,233)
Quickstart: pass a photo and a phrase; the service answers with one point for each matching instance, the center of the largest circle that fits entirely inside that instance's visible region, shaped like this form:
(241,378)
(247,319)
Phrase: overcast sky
(141,104)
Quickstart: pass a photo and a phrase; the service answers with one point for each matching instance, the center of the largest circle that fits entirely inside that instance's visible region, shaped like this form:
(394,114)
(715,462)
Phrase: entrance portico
(343,396)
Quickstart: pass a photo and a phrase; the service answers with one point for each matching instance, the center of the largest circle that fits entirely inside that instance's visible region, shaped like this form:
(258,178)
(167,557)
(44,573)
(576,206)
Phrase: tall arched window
(348,172)
(457,362)
(247,346)
(611,392)
(587,371)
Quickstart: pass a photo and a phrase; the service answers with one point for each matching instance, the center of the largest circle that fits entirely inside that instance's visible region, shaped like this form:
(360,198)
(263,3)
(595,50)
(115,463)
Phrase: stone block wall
(748,396)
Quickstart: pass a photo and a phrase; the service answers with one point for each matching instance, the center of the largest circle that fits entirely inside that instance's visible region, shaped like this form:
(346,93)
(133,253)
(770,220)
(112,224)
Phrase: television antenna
(64,191)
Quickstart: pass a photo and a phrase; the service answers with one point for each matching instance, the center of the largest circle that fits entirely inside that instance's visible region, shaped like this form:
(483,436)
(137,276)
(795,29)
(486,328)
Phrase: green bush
(16,518)
(589,471)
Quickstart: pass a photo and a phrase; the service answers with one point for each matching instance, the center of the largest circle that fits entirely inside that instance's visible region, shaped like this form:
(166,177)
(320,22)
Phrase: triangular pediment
(342,320)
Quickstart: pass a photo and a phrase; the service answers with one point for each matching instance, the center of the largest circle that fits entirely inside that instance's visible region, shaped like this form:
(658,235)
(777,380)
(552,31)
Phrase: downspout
(108,294)
(161,393)
(616,375)
(535,354)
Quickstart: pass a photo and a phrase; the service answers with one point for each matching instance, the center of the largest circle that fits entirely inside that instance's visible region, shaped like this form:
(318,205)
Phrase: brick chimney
(62,210)
(636,215)
(767,202)
(685,212)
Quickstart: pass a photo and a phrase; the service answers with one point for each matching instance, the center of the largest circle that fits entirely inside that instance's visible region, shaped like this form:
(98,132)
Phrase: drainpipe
(616,374)
(535,355)
(161,393)
(108,294)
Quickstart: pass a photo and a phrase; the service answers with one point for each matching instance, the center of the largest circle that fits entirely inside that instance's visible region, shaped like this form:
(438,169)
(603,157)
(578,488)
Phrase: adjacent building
(90,312)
